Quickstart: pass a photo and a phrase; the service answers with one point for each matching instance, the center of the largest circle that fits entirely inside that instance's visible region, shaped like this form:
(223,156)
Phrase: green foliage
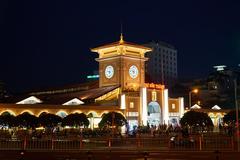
(230,117)
(76,120)
(49,120)
(112,118)
(196,119)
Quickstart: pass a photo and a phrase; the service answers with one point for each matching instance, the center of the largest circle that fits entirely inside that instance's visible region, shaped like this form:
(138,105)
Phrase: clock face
(109,71)
(133,71)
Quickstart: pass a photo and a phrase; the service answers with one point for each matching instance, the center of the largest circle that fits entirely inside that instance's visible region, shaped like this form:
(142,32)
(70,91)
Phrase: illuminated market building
(121,88)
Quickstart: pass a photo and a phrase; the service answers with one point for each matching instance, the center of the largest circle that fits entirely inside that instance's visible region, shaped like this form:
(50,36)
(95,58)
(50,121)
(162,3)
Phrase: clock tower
(122,63)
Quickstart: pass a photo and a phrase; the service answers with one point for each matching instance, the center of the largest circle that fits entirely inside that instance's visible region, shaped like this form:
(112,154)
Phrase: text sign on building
(154,86)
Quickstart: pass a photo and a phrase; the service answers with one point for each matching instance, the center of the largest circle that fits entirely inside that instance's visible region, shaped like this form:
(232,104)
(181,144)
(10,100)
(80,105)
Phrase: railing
(198,143)
(218,143)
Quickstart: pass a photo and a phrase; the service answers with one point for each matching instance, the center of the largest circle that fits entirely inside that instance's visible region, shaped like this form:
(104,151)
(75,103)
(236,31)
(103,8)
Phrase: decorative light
(220,67)
(165,107)
(144,106)
(93,76)
(123,101)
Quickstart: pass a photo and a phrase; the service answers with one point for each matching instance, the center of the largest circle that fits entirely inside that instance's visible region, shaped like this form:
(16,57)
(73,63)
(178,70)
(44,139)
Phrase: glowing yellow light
(9,111)
(165,108)
(195,91)
(123,101)
(28,111)
(144,106)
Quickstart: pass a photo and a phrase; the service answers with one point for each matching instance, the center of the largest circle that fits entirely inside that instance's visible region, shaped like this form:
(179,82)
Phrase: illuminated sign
(92,76)
(220,67)
(154,86)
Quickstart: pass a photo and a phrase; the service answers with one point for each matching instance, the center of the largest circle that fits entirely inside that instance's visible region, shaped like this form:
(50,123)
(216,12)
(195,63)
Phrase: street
(118,155)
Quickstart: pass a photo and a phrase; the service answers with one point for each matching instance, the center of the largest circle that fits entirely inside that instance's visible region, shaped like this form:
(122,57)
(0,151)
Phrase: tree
(112,118)
(49,120)
(27,120)
(7,120)
(76,120)
(230,117)
(196,120)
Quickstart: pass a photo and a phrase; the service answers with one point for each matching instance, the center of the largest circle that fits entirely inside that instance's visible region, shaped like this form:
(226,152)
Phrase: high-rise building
(162,64)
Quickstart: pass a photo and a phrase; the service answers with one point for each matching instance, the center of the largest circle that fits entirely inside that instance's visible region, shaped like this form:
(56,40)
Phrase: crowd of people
(140,131)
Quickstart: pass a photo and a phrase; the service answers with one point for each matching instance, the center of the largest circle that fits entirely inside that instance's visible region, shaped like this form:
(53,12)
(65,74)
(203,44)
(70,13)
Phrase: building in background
(217,88)
(161,66)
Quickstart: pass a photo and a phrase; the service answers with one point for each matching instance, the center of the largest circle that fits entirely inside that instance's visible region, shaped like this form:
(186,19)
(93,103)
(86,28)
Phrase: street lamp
(190,96)
(236,105)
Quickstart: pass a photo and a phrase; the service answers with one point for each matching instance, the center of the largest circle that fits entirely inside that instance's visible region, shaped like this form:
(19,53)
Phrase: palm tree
(75,120)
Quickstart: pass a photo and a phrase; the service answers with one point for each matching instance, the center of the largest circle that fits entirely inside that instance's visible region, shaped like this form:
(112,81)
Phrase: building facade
(162,64)
(121,88)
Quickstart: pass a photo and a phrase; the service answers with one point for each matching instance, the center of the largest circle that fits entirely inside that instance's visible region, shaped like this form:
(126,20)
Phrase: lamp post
(237,120)
(190,96)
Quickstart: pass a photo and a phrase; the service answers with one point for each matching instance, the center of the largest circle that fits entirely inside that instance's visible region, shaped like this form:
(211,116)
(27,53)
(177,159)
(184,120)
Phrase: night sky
(46,43)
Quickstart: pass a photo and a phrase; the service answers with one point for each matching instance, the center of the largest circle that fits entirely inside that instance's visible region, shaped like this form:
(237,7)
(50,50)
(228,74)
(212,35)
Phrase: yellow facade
(122,56)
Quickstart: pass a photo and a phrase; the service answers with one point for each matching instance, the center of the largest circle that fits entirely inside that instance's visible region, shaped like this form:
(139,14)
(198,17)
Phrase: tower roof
(119,43)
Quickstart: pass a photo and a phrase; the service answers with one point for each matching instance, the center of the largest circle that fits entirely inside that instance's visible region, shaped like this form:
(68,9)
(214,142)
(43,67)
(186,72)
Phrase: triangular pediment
(30,100)
(74,101)
(216,107)
(195,106)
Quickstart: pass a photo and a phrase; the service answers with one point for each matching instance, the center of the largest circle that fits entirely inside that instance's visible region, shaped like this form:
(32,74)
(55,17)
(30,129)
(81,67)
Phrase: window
(173,106)
(131,105)
(154,96)
(132,114)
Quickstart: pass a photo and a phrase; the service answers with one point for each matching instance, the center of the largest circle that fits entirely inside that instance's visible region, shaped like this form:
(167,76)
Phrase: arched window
(153,107)
(61,114)
(154,114)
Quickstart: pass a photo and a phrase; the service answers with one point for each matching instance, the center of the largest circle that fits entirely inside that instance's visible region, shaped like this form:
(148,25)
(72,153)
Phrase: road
(118,155)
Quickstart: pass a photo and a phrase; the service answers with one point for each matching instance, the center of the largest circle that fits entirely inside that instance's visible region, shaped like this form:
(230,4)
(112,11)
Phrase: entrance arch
(154,114)
(7,112)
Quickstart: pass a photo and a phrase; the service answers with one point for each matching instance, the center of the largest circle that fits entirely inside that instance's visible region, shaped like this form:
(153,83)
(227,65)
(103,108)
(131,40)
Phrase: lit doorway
(154,114)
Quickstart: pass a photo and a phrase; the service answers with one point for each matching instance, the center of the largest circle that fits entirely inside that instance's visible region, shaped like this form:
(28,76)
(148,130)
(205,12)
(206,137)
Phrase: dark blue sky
(46,43)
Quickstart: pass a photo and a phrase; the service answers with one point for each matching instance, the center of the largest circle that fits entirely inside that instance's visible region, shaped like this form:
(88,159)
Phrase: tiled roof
(82,95)
(66,88)
(67,94)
